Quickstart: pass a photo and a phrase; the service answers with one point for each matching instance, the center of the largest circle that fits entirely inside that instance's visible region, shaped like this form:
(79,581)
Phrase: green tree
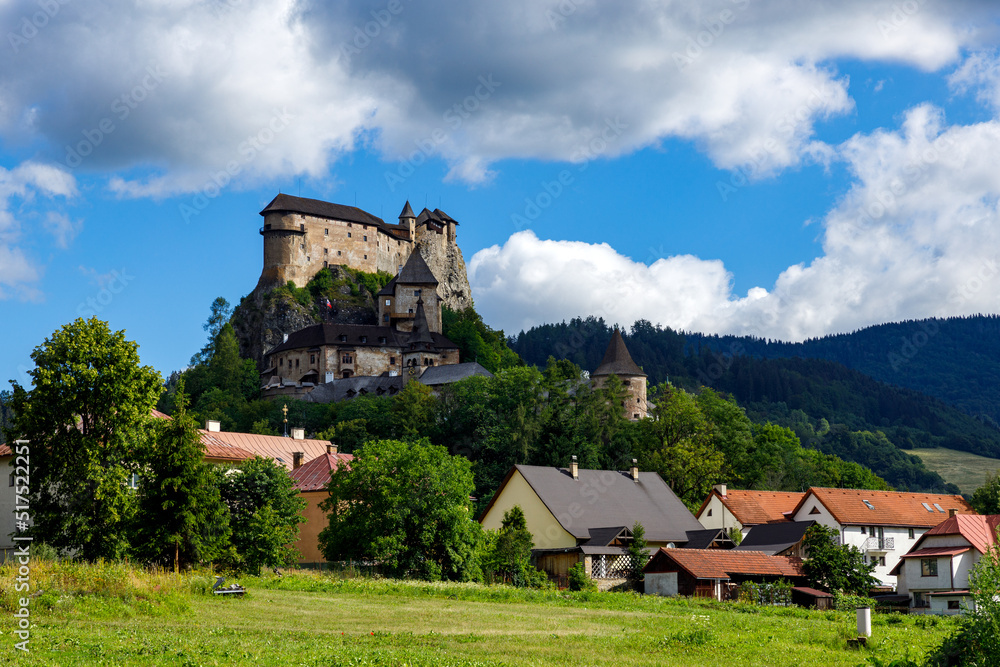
(88,419)
(507,557)
(677,444)
(986,499)
(221,312)
(405,506)
(265,512)
(836,567)
(413,411)
(181,516)
(638,554)
(476,341)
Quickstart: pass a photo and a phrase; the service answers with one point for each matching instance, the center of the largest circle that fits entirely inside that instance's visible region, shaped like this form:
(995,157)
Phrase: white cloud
(62,228)
(164,97)
(21,186)
(917,236)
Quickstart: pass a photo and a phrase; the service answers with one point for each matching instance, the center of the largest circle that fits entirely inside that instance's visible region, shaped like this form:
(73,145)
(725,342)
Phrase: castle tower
(413,290)
(617,361)
(408,220)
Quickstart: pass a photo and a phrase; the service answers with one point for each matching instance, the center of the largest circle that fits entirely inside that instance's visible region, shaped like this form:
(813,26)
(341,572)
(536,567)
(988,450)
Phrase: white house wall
(6,505)
(721,516)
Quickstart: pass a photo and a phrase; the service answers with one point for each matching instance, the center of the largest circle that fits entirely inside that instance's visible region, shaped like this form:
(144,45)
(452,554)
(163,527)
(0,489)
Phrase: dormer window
(381,339)
(868,504)
(343,338)
(364,339)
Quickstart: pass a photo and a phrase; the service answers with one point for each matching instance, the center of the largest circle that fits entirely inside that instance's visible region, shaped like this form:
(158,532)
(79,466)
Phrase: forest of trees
(831,408)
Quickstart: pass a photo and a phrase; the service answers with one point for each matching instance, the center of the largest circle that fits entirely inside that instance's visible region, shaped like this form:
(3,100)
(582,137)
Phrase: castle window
(348,235)
(385,318)
(338,253)
(381,339)
(388,302)
(348,224)
(312,358)
(281,362)
(308,258)
(326,264)
(410,310)
(366,256)
(347,359)
(416,292)
(343,338)
(365,237)
(302,228)
(326,251)
(326,232)
(302,246)
(364,339)
(296,363)
(392,361)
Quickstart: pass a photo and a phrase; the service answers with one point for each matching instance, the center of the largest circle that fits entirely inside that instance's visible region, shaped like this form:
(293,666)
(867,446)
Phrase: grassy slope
(966,470)
(333,623)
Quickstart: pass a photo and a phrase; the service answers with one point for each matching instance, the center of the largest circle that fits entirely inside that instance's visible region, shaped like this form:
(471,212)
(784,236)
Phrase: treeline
(798,393)
(955,360)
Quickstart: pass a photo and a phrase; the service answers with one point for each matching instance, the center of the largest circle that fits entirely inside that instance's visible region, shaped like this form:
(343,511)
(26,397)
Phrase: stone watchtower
(617,361)
(411,292)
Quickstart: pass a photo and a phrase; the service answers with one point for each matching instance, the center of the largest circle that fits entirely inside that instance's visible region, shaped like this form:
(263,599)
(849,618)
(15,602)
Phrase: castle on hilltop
(303,236)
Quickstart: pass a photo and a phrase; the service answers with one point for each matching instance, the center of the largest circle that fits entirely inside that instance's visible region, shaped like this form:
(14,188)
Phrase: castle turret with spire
(618,362)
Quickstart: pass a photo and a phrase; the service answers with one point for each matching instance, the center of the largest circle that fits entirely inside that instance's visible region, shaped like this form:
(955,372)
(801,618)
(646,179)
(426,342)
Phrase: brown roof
(271,446)
(752,508)
(416,272)
(936,551)
(979,530)
(723,563)
(617,360)
(313,476)
(220,450)
(323,209)
(886,508)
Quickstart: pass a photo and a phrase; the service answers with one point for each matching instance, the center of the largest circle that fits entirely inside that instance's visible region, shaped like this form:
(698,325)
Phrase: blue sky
(780,169)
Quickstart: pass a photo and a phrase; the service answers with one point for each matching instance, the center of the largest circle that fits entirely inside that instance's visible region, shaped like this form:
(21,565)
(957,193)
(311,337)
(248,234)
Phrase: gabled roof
(723,563)
(979,530)
(313,476)
(416,272)
(617,360)
(346,388)
(329,334)
(703,539)
(772,538)
(323,209)
(449,373)
(389,289)
(441,215)
(756,507)
(602,498)
(271,446)
(603,537)
(886,508)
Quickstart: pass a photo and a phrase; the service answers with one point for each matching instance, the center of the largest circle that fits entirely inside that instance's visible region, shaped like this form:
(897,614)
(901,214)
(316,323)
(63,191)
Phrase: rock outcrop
(448,266)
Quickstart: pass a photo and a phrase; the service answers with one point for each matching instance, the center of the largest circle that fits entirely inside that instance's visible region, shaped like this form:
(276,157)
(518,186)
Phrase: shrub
(579,580)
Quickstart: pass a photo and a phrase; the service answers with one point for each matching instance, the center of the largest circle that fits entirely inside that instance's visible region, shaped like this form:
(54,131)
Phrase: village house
(715,573)
(310,481)
(934,573)
(731,508)
(586,516)
(777,539)
(884,525)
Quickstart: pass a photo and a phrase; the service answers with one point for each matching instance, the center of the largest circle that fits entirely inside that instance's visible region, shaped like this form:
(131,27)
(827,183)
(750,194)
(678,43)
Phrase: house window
(814,510)
(952,604)
(347,359)
(911,533)
(709,512)
(881,561)
(928,567)
(296,363)
(388,302)
(864,531)
(312,358)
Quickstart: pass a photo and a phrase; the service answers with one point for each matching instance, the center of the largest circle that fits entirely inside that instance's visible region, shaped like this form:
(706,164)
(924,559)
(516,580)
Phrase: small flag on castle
(328,304)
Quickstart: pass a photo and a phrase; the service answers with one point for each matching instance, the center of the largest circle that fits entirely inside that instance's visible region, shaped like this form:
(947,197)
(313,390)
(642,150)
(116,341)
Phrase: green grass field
(318,621)
(967,471)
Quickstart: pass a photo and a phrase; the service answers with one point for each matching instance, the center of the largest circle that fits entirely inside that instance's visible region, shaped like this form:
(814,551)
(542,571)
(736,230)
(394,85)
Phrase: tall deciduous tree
(181,516)
(87,416)
(836,567)
(265,512)
(221,311)
(405,506)
(986,499)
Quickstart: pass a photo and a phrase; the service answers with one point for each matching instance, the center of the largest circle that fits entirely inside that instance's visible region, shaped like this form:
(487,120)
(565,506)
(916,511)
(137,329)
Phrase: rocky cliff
(449,268)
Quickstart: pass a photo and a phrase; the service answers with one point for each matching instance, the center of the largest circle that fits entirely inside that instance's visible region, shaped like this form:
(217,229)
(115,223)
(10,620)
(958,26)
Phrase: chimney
(297,460)
(721,488)
(952,512)
(574,468)
(213,426)
(331,449)
(635,471)
(298,434)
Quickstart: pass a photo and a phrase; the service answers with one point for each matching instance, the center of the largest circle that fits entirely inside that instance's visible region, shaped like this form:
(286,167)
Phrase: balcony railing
(880,544)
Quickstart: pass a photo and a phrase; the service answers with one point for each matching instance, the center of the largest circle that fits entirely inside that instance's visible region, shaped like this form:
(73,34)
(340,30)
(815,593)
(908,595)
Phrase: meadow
(967,471)
(112,614)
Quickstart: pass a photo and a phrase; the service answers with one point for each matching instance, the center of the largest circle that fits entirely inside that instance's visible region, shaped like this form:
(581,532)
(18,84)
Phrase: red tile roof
(756,507)
(979,530)
(314,475)
(888,508)
(723,563)
(936,551)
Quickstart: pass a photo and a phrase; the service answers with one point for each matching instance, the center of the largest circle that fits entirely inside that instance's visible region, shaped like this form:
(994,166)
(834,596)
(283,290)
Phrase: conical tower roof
(617,360)
(416,272)
(421,330)
(407,211)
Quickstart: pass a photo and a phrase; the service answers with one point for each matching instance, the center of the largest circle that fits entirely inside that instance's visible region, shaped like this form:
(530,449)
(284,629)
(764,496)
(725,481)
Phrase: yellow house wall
(546,530)
(316,521)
